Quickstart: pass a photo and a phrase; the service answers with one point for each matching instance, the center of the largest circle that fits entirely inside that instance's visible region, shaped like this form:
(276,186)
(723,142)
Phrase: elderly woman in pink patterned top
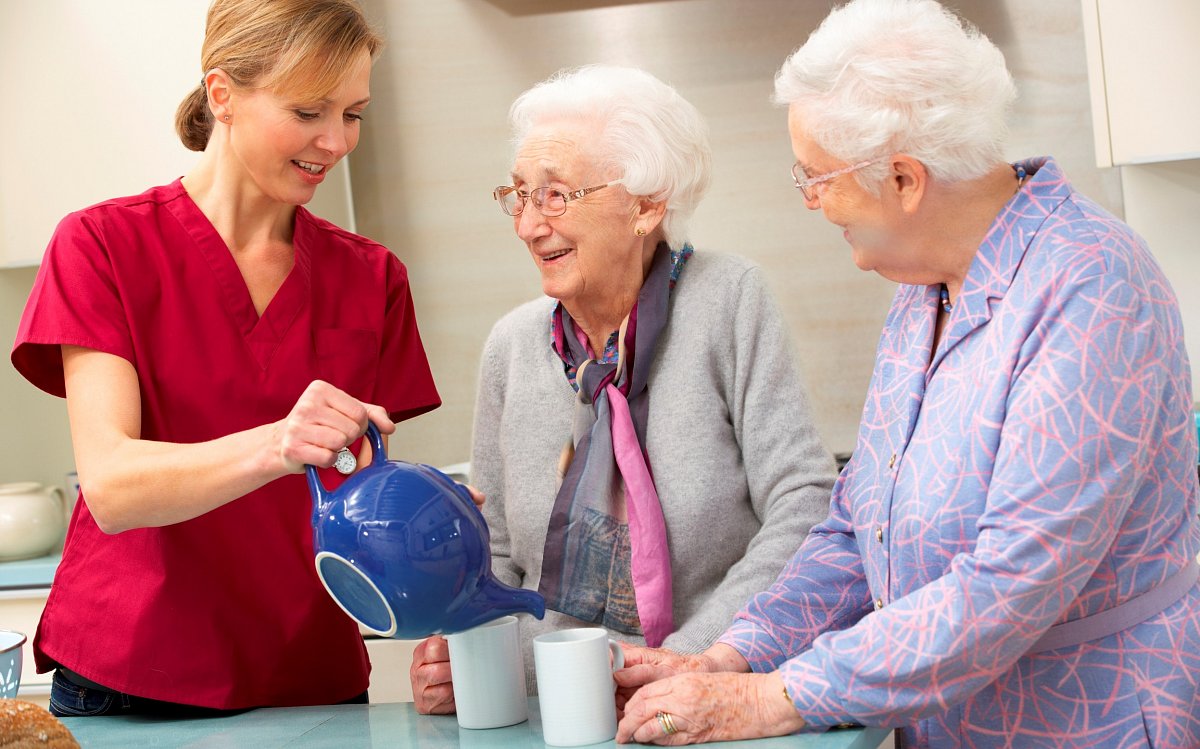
(1009,558)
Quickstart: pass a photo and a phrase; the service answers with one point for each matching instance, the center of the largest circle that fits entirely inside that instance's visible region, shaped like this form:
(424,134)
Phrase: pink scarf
(607,476)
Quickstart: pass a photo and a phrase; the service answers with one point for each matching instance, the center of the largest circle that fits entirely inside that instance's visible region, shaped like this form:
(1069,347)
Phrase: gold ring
(667,722)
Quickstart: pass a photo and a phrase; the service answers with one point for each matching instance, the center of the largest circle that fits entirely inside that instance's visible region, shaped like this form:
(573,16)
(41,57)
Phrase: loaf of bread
(24,725)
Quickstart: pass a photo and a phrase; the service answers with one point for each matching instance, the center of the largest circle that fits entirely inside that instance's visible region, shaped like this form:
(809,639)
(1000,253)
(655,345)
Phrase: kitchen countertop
(384,725)
(29,573)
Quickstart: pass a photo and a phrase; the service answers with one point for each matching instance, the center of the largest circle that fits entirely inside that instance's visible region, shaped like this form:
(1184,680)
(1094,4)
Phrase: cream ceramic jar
(31,520)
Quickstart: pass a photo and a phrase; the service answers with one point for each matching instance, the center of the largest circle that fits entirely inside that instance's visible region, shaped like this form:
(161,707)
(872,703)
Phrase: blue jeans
(71,700)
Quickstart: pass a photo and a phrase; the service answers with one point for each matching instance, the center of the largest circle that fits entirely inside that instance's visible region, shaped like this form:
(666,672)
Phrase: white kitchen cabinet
(90,91)
(390,660)
(1143,67)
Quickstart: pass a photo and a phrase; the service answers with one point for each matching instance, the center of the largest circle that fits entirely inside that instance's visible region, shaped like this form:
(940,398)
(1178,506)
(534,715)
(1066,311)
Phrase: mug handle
(618,659)
(618,655)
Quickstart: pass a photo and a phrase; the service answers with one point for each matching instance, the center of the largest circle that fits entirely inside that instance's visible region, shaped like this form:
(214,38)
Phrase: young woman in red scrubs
(211,337)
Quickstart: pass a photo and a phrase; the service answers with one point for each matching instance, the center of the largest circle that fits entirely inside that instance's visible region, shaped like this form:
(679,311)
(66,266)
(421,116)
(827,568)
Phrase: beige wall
(436,143)
(35,442)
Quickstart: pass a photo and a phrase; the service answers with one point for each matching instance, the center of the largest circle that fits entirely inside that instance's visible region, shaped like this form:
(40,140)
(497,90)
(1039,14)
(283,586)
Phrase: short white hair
(880,77)
(654,139)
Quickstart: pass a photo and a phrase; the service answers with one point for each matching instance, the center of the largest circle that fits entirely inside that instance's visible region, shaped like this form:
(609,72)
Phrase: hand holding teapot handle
(323,421)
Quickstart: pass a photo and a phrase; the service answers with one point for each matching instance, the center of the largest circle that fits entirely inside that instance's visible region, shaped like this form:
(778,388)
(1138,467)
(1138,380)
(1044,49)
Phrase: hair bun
(24,725)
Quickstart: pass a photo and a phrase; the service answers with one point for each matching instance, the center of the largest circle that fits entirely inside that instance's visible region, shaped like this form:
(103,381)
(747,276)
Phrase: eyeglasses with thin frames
(549,201)
(807,185)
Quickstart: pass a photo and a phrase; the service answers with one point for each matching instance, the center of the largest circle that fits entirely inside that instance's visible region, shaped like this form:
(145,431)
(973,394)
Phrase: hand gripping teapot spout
(403,550)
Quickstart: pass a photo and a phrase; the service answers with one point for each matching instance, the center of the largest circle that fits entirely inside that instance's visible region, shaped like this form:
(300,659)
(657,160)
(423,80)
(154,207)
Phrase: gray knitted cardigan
(740,470)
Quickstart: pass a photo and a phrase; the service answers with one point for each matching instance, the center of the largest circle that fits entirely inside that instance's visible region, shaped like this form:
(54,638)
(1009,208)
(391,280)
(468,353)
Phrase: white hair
(653,137)
(880,77)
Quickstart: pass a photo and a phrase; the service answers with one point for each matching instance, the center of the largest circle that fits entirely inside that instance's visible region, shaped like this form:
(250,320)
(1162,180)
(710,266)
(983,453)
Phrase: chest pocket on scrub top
(348,358)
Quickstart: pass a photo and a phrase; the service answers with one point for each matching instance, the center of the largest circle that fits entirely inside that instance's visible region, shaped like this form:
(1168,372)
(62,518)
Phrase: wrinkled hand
(709,707)
(644,665)
(433,692)
(323,421)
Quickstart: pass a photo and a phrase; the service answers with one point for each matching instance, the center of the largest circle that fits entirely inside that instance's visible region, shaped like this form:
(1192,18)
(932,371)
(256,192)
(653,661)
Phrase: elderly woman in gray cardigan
(641,431)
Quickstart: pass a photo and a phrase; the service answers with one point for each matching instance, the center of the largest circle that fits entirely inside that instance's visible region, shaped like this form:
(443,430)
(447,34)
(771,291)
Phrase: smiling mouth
(554,256)
(310,167)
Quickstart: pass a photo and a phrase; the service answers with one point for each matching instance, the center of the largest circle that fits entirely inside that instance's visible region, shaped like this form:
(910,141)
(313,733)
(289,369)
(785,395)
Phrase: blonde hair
(301,48)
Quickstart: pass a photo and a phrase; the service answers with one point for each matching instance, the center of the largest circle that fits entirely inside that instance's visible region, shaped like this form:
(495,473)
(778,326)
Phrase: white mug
(489,675)
(576,691)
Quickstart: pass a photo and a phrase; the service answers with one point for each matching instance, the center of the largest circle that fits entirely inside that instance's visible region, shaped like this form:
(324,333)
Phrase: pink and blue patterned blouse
(1038,467)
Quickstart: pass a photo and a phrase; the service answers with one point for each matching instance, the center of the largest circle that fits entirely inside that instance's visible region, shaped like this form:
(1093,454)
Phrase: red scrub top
(225,610)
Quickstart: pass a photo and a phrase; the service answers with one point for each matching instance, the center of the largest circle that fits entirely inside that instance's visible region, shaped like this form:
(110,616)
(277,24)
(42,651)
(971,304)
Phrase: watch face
(345,463)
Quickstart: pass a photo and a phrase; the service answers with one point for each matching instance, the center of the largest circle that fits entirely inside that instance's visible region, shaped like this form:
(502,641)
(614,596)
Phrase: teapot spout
(493,600)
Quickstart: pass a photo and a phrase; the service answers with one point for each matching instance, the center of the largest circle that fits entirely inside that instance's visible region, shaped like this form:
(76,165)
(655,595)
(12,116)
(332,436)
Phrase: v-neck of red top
(262,334)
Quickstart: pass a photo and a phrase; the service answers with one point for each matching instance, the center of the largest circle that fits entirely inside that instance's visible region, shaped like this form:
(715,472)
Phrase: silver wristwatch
(345,462)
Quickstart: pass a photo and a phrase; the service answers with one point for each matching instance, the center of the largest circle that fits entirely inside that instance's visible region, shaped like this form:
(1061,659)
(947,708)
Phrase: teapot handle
(317,488)
(62,501)
(378,451)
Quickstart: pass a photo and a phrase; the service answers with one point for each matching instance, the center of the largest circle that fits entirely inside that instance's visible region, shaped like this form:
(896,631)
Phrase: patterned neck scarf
(596,566)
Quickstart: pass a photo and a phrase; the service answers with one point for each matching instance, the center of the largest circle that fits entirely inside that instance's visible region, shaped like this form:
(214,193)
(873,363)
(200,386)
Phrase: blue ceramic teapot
(406,553)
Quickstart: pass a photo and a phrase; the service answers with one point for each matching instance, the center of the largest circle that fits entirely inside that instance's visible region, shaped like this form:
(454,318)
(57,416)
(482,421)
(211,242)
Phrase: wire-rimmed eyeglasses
(807,185)
(549,201)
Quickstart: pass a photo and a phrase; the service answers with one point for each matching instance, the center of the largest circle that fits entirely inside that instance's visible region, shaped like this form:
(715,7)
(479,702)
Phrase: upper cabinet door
(90,89)
(1144,74)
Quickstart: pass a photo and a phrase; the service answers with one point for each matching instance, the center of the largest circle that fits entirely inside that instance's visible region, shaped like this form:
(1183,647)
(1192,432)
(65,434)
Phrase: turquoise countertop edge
(384,725)
(29,573)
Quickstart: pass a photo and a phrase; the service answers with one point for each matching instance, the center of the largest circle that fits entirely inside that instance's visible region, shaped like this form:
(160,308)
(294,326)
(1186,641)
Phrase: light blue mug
(10,662)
